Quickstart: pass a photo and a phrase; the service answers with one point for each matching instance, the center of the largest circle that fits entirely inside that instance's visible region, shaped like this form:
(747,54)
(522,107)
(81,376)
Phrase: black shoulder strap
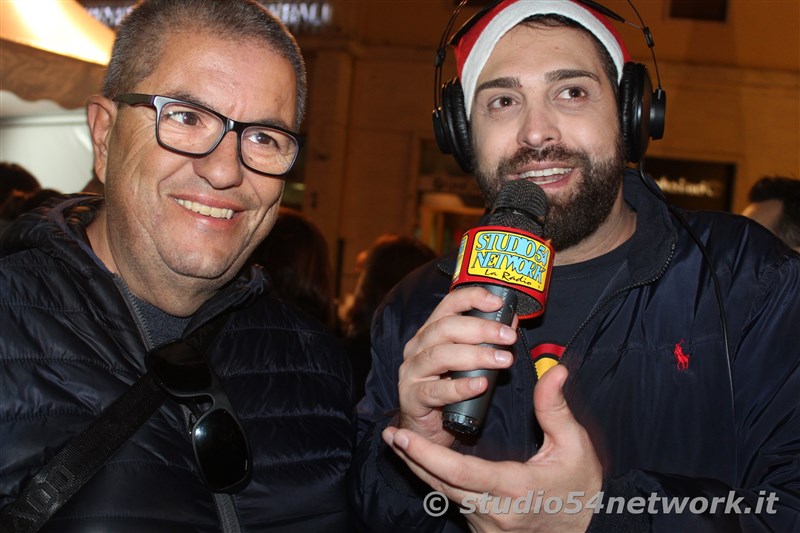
(78,461)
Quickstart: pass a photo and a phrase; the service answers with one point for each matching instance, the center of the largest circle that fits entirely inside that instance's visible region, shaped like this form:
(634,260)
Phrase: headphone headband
(641,110)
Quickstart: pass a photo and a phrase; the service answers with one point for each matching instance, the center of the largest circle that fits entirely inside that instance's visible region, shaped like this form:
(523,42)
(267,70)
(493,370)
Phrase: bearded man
(671,386)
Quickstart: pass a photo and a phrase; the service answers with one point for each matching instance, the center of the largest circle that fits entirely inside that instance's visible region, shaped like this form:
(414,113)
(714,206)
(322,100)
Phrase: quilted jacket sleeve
(386,495)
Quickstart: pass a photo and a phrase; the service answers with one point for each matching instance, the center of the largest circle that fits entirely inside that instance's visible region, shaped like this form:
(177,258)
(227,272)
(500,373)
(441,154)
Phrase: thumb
(552,411)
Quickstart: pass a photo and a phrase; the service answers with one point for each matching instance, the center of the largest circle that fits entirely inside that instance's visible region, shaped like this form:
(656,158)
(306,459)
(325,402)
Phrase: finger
(420,377)
(453,493)
(448,357)
(440,392)
(446,323)
(388,435)
(463,300)
(552,411)
(459,329)
(457,474)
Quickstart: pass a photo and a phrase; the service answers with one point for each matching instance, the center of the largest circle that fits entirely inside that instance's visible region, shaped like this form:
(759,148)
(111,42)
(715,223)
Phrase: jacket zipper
(614,295)
(226,510)
(133,306)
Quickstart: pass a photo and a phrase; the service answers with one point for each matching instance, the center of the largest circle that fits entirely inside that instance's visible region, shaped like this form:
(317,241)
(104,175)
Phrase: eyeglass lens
(193,130)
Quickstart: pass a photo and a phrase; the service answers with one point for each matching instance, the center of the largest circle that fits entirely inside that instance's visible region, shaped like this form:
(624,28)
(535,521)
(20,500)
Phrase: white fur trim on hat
(515,13)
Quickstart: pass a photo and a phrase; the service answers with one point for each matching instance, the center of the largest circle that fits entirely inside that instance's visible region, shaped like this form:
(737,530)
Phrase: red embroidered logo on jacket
(681,357)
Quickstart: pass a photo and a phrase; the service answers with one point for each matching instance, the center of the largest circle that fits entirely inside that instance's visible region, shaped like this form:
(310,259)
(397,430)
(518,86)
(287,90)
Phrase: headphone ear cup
(635,93)
(455,125)
(439,131)
(658,112)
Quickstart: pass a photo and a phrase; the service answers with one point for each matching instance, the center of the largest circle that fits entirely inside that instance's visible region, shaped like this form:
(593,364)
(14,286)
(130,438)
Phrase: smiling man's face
(544,110)
(174,222)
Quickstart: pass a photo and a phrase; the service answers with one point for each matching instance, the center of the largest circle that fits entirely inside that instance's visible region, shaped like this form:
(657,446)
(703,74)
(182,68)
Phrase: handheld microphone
(510,260)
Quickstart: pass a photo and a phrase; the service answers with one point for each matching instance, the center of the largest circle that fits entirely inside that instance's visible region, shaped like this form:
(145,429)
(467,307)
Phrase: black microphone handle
(467,416)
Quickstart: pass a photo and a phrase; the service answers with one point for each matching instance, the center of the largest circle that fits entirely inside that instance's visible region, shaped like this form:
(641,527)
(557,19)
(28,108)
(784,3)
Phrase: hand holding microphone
(509,259)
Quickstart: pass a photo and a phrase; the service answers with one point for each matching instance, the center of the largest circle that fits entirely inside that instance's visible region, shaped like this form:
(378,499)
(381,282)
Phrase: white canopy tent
(52,50)
(52,58)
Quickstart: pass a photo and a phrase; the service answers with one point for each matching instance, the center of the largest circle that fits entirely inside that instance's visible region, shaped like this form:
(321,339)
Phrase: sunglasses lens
(222,452)
(181,368)
(220,444)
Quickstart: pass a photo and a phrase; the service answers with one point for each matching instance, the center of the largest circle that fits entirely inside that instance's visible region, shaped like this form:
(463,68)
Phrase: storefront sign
(298,16)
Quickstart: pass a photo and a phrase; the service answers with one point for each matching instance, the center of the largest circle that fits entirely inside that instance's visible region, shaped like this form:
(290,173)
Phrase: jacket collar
(58,228)
(654,239)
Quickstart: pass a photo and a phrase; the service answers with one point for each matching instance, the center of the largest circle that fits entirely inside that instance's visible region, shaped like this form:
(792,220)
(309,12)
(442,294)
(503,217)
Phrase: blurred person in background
(19,203)
(296,258)
(775,204)
(15,177)
(38,198)
(16,185)
(385,263)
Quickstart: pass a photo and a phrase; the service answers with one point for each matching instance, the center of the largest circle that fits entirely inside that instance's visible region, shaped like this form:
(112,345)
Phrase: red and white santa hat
(473,49)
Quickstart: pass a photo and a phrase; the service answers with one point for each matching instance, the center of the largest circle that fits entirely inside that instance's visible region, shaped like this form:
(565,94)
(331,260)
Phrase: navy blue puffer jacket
(69,346)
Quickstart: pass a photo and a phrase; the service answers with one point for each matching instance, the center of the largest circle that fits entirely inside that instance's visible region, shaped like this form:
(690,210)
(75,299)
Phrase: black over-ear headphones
(641,109)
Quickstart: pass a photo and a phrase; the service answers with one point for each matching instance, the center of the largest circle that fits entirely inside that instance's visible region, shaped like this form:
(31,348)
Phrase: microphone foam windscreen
(520,204)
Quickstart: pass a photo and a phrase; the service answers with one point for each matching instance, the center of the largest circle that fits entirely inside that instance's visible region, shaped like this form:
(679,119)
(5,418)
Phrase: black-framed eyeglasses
(192,129)
(218,438)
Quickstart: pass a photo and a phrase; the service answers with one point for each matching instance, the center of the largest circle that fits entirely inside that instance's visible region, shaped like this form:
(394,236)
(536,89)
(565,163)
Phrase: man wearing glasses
(193,136)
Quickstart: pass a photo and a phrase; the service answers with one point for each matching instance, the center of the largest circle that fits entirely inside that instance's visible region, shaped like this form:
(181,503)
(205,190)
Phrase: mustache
(527,155)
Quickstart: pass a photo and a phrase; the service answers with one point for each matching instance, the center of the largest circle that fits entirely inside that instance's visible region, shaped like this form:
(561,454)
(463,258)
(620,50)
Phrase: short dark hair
(787,191)
(142,33)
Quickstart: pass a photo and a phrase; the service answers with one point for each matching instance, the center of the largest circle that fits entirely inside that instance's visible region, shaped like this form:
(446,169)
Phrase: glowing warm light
(59,26)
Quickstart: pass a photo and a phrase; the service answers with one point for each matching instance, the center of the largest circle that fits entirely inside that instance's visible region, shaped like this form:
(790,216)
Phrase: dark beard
(570,221)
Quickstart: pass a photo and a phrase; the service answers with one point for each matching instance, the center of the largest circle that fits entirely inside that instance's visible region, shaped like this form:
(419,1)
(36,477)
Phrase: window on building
(713,10)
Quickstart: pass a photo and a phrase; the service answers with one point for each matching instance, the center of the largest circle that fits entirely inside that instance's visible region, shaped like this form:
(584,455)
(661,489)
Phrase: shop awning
(52,50)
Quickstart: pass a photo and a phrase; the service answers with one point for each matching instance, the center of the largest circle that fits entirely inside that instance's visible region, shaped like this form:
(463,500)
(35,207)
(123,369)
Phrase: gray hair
(142,33)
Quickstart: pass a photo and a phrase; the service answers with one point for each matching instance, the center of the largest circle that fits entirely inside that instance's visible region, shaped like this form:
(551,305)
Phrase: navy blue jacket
(721,424)
(70,345)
